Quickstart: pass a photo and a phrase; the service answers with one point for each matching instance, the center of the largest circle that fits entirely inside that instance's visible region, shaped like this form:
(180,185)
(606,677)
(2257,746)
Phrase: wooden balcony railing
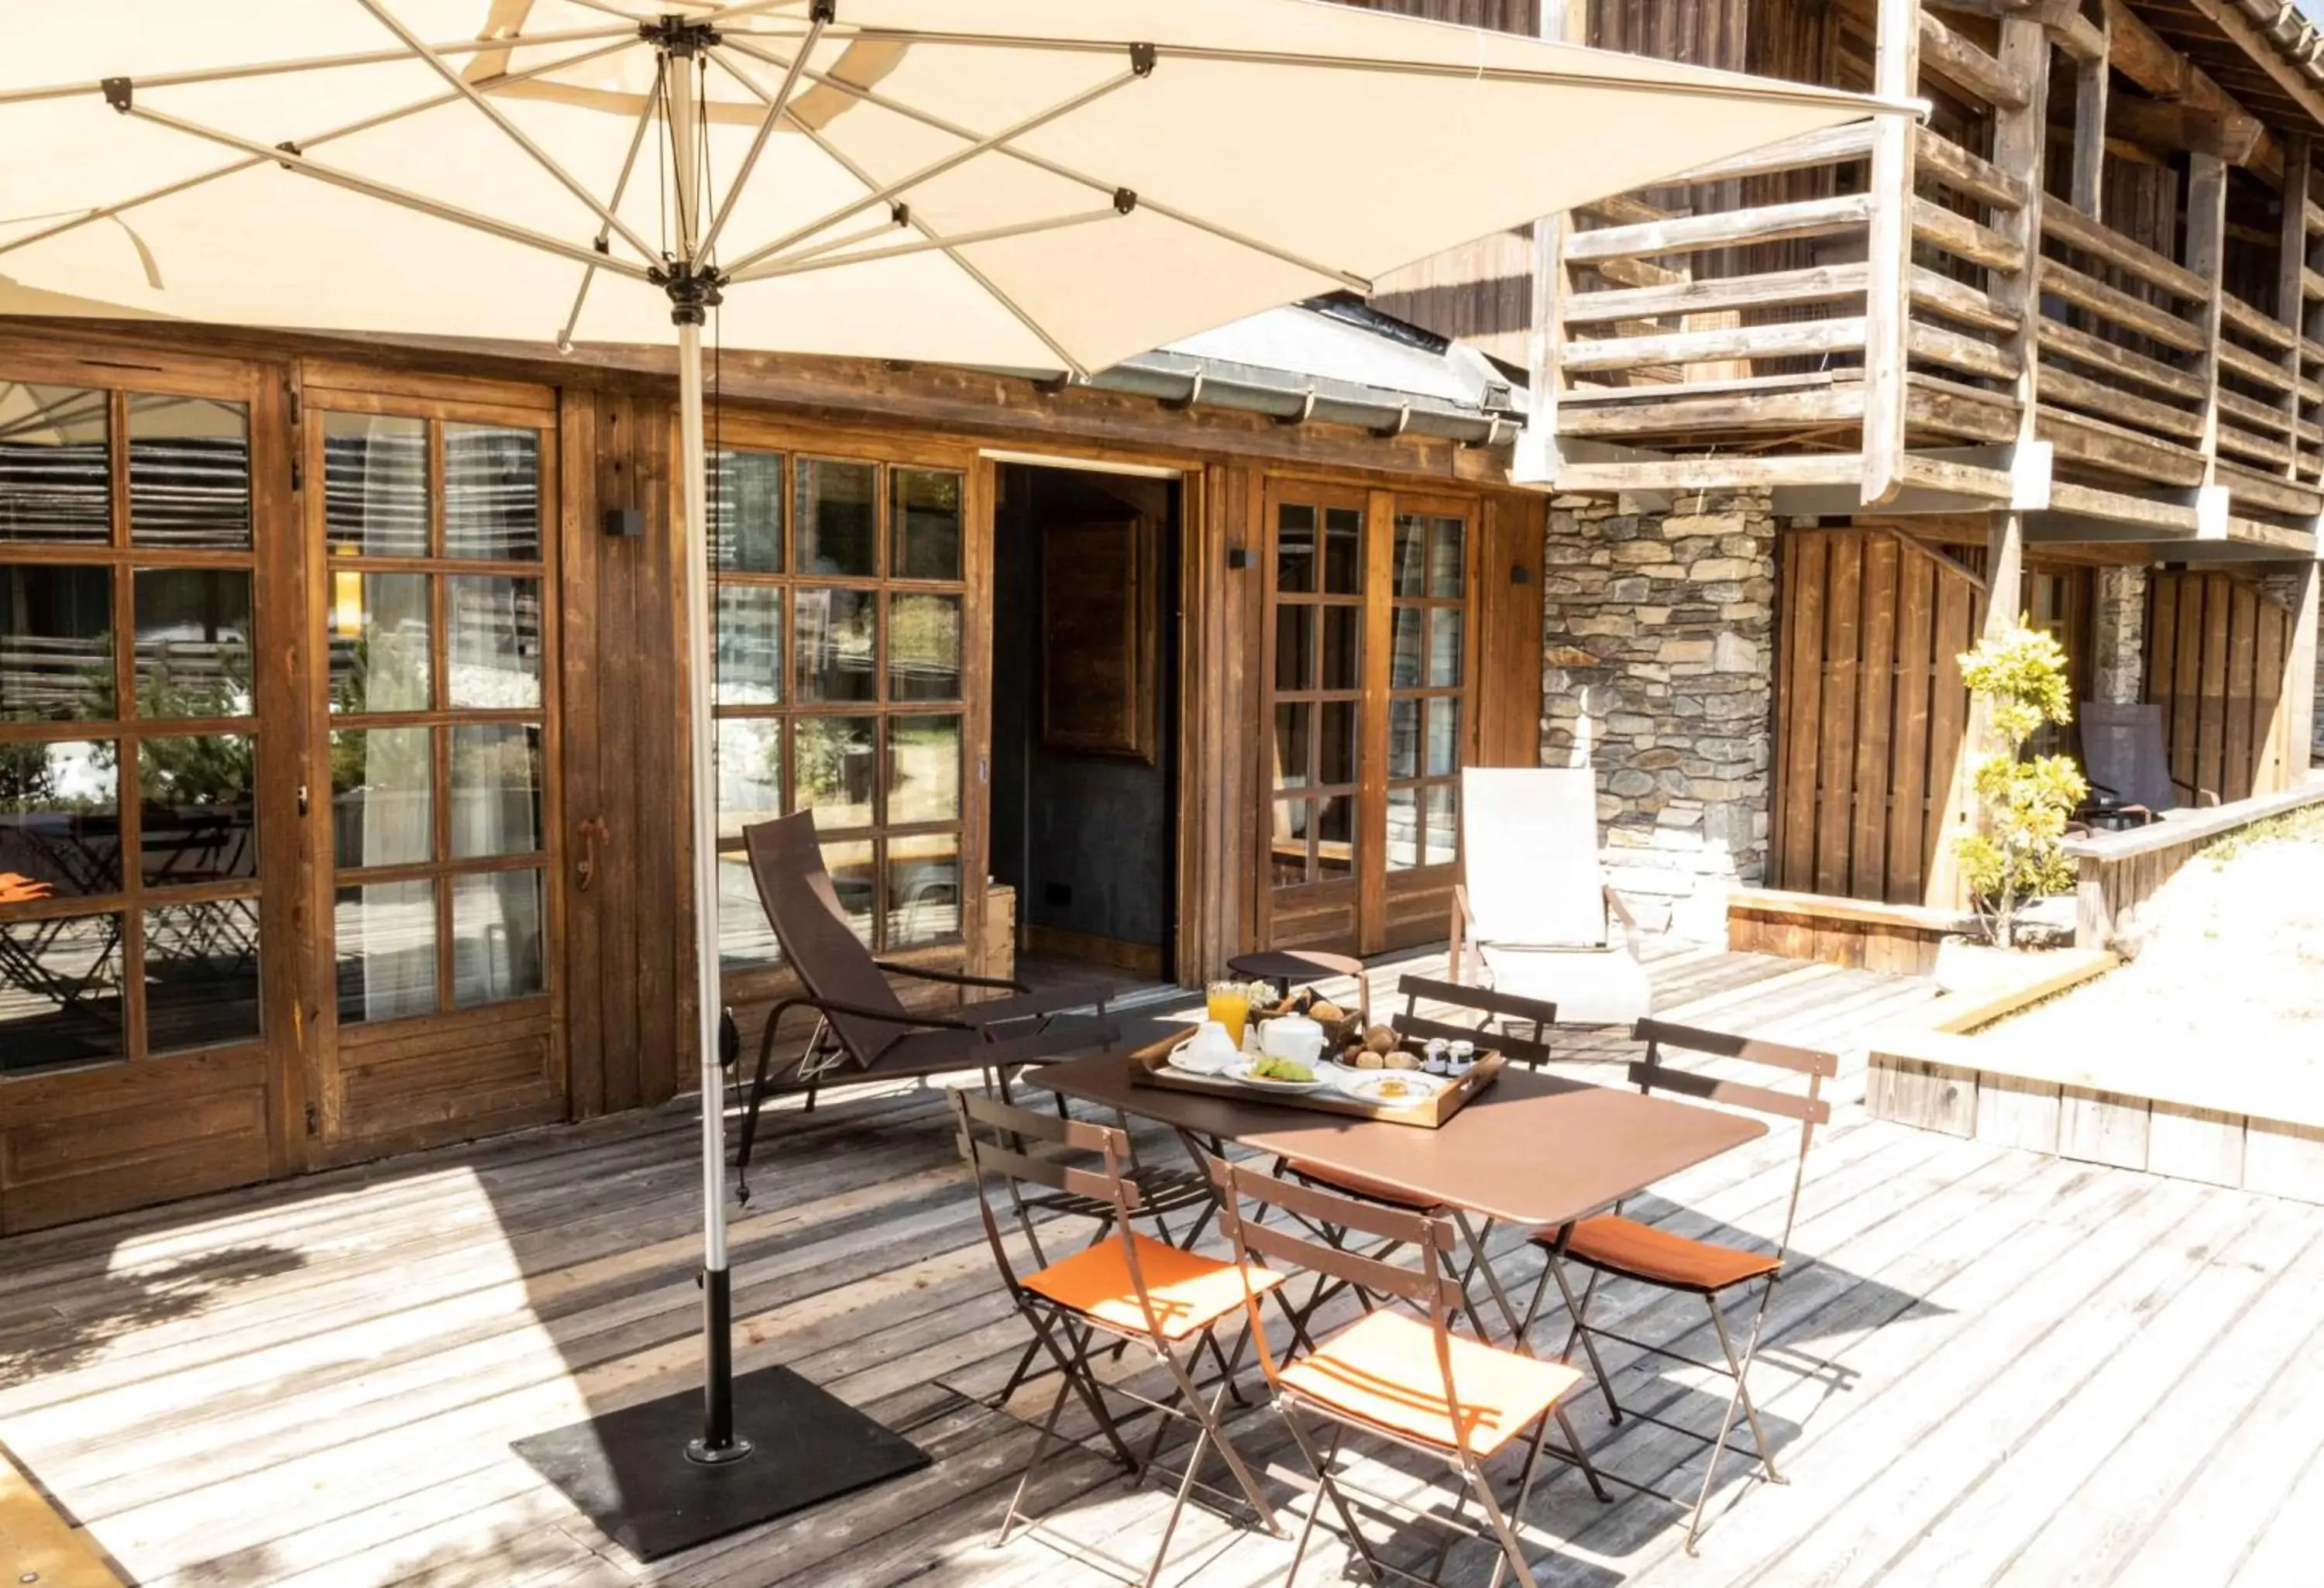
(1718,318)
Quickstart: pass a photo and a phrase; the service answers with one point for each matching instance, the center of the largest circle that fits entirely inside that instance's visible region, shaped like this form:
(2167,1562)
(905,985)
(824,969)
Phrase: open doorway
(1084,721)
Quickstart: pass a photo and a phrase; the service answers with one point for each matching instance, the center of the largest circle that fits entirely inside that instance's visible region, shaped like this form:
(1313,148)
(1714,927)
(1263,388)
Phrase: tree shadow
(59,1338)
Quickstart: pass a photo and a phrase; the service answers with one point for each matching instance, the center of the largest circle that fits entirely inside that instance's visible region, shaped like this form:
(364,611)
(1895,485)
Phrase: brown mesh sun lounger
(862,1031)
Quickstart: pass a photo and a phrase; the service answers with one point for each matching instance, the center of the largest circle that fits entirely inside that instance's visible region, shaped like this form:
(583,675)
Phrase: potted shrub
(2016,854)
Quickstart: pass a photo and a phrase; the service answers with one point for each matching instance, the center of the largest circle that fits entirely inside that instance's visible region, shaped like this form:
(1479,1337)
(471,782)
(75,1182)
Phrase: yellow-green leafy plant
(2016,855)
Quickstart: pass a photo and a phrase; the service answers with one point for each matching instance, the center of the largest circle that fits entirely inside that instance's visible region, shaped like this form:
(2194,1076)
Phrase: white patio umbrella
(1037,185)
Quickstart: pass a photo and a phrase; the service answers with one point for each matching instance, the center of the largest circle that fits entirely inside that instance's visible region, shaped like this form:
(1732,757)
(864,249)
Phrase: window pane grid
(862,718)
(129,875)
(437,619)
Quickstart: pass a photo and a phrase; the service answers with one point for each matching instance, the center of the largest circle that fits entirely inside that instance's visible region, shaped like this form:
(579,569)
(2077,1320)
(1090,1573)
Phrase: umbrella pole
(633,1469)
(718,1442)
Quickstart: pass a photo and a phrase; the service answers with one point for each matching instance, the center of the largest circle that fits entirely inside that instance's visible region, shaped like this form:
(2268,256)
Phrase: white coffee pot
(1293,1037)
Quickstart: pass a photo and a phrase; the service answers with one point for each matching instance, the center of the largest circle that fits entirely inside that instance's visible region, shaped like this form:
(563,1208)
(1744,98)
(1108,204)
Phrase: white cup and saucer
(1208,1052)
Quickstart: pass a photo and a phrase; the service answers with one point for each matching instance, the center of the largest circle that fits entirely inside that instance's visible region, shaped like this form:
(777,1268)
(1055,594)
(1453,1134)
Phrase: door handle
(592,832)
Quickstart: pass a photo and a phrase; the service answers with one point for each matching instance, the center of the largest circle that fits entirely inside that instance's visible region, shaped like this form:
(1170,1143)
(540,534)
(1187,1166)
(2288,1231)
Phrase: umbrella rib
(508,231)
(831,151)
(346,130)
(1756,92)
(978,144)
(620,186)
(1359,283)
(267,68)
(500,119)
(930,242)
(774,116)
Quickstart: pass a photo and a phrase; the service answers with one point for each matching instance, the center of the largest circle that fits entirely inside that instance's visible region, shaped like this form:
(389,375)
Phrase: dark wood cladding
(630,1007)
(2215,647)
(1871,710)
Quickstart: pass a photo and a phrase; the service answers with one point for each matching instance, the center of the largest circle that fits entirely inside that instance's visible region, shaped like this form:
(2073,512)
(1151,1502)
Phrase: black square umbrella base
(629,1473)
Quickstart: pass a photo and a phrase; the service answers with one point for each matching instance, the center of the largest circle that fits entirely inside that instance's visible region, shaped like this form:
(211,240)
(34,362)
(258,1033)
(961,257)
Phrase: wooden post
(2299,692)
(1896,75)
(2090,78)
(2004,603)
(2291,273)
(2018,138)
(2207,230)
(1536,460)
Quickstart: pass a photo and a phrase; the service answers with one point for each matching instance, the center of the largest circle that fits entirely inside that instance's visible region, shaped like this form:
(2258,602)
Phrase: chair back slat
(1808,1061)
(1324,1206)
(1483,1000)
(1079,1134)
(1278,1244)
(818,943)
(1735,1093)
(1524,1049)
(993,1158)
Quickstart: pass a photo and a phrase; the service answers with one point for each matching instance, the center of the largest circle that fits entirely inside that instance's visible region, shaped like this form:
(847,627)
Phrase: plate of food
(1394,1088)
(1278,1075)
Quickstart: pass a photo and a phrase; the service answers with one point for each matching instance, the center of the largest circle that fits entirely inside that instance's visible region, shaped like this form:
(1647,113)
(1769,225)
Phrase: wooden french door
(148,754)
(1369,713)
(430,628)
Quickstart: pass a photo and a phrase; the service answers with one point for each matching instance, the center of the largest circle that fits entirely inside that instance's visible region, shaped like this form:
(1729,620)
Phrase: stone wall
(1659,672)
(2118,635)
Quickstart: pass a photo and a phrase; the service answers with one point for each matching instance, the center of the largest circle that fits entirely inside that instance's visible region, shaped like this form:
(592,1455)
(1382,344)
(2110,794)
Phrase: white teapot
(1293,1037)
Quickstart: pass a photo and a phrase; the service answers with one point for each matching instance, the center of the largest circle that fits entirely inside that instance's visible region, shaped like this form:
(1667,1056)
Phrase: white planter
(1967,965)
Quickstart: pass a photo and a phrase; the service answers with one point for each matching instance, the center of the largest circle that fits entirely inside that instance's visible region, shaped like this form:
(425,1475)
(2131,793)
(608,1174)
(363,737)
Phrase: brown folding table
(1534,1150)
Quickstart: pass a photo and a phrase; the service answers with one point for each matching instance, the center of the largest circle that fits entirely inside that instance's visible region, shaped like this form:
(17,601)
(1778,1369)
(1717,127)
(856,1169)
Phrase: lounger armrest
(1621,912)
(951,978)
(1026,1006)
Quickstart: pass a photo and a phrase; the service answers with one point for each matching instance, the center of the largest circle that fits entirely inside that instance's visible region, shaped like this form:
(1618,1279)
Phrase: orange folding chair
(1126,1290)
(1611,1246)
(1487,1006)
(1402,1378)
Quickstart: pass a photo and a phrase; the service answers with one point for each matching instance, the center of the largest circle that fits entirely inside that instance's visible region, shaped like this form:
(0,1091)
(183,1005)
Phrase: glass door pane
(131,747)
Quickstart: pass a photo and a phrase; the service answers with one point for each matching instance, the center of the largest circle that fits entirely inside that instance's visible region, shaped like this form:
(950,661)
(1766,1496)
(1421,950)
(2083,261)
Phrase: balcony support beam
(1535,460)
(2206,241)
(2092,75)
(2291,281)
(1896,75)
(2018,147)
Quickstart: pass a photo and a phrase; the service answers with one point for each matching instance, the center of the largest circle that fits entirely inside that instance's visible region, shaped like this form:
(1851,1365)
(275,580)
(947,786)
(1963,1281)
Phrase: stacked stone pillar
(1659,666)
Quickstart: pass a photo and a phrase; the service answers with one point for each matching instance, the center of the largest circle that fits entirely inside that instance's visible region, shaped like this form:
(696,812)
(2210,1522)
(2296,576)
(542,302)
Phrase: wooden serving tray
(1151,1067)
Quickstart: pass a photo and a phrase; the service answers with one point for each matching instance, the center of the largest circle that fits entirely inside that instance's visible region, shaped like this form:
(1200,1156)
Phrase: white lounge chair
(1535,915)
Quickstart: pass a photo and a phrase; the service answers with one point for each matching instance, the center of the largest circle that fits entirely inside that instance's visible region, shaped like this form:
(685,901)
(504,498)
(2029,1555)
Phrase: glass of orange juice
(1228,1004)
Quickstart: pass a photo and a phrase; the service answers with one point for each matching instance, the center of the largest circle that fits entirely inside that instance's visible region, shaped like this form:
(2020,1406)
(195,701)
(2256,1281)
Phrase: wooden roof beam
(2147,59)
(2265,53)
(2169,124)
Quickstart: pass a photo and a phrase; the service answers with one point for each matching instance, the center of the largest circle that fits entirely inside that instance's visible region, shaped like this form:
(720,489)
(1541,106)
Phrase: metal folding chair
(1404,1379)
(1126,1290)
(1487,1006)
(1610,1245)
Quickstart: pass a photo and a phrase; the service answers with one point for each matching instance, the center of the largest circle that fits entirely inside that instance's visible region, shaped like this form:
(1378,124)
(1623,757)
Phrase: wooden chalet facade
(386,638)
(342,771)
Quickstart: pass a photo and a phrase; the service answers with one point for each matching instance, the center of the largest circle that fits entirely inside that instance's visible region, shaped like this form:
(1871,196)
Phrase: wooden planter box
(1899,938)
(2261,1133)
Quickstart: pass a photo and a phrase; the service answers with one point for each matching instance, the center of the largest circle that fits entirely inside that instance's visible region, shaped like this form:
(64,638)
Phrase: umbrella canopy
(1049,185)
(1020,184)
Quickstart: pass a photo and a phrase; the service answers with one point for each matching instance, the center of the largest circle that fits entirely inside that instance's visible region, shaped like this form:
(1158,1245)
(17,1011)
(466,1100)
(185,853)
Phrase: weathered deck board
(1984,1366)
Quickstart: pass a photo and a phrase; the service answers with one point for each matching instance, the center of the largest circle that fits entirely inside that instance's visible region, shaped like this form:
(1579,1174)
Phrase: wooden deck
(1988,1367)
